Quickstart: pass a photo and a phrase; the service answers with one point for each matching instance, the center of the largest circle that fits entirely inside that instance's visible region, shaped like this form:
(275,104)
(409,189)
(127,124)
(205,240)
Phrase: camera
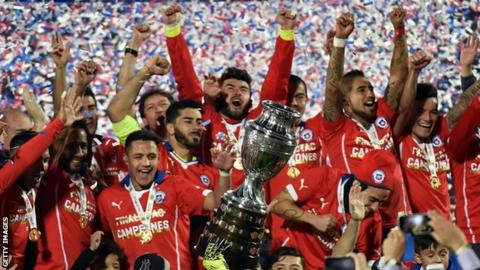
(339,263)
(417,224)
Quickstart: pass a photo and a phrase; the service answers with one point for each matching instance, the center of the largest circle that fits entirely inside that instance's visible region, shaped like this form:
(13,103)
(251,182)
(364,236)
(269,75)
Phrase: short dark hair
(285,251)
(106,248)
(150,93)
(423,242)
(141,135)
(293,82)
(236,73)
(176,108)
(347,80)
(89,93)
(425,90)
(22,138)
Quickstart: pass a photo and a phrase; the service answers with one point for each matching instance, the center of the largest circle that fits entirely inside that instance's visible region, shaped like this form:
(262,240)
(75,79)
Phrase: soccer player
(464,152)
(26,171)
(145,213)
(355,121)
(287,258)
(308,153)
(67,208)
(233,106)
(107,165)
(326,211)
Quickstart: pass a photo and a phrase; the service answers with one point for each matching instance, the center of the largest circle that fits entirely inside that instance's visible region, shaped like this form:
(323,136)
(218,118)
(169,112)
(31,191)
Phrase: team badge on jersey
(160,197)
(381,122)
(306,135)
(221,136)
(204,179)
(437,142)
(378,176)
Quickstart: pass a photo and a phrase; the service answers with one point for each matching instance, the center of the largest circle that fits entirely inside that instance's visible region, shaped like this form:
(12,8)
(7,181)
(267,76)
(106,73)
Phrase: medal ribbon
(30,208)
(81,193)
(371,133)
(145,216)
(291,161)
(231,134)
(429,153)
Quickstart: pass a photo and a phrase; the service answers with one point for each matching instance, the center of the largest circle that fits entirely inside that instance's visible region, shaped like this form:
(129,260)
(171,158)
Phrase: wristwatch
(131,51)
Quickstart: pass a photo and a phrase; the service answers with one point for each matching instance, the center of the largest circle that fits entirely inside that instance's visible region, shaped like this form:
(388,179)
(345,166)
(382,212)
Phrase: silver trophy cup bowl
(238,224)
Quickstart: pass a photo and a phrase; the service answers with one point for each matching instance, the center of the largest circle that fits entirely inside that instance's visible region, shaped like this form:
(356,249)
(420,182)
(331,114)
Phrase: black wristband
(131,51)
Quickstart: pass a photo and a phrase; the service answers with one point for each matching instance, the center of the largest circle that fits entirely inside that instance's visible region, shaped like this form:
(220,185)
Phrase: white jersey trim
(60,231)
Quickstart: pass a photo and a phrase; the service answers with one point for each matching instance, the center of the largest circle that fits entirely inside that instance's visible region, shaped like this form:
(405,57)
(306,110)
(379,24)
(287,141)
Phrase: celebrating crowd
(367,182)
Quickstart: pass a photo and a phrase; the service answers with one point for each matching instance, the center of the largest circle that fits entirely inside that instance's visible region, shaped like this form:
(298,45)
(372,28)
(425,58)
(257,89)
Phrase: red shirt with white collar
(346,142)
(174,197)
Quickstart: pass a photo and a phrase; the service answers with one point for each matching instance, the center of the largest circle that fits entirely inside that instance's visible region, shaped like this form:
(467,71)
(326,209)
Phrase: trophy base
(242,228)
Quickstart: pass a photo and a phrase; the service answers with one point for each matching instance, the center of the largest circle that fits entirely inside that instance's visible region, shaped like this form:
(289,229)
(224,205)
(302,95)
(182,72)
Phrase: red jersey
(317,192)
(59,219)
(420,163)
(174,197)
(464,152)
(308,154)
(108,154)
(28,154)
(275,87)
(346,142)
(13,207)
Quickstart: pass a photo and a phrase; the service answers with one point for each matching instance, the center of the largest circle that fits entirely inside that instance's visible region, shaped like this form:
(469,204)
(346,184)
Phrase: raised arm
(463,135)
(399,63)
(34,110)
(469,50)
(61,56)
(275,85)
(188,84)
(32,150)
(347,241)
(222,158)
(140,33)
(462,103)
(418,61)
(123,101)
(332,107)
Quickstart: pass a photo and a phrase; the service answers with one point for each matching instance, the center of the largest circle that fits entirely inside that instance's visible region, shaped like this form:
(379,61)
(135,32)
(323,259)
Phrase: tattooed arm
(462,104)
(332,107)
(399,63)
(286,208)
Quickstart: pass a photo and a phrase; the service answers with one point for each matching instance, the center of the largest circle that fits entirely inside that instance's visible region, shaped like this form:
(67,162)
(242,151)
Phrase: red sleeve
(463,134)
(387,112)
(102,212)
(370,237)
(275,86)
(190,197)
(28,154)
(311,182)
(188,84)
(329,129)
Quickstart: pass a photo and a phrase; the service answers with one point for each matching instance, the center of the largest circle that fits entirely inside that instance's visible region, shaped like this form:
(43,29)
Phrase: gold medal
(238,164)
(435,182)
(146,236)
(34,235)
(83,221)
(293,172)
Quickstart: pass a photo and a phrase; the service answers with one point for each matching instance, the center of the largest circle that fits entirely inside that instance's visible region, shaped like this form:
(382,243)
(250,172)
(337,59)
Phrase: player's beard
(65,165)
(184,140)
(222,106)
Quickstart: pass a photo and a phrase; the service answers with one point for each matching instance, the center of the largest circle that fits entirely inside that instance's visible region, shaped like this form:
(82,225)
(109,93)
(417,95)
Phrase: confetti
(221,34)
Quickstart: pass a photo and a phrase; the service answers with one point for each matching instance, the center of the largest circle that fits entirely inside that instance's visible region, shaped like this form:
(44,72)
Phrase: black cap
(151,261)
